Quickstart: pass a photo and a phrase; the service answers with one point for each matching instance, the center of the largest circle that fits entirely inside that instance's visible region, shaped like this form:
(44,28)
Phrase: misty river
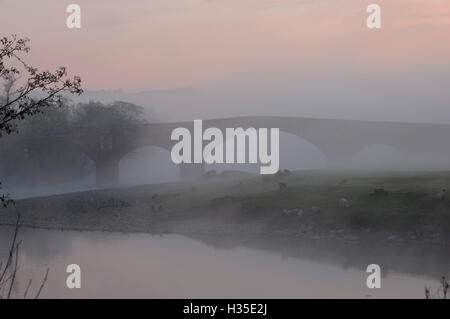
(117,265)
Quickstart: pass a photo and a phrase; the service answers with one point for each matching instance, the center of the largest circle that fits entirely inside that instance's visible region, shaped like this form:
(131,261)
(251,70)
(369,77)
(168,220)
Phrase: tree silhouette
(27,90)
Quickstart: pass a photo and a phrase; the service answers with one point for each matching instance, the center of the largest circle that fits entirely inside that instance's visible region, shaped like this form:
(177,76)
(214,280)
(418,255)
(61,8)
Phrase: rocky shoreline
(204,226)
(252,207)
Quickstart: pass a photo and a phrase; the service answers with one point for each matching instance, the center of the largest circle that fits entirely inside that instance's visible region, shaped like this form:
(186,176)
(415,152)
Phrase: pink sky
(162,44)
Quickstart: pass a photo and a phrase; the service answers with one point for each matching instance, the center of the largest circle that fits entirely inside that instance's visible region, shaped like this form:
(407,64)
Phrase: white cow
(343,202)
(293,212)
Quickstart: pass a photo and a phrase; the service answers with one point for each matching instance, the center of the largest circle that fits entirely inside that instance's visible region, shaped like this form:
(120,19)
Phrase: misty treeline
(33,103)
(27,90)
(35,156)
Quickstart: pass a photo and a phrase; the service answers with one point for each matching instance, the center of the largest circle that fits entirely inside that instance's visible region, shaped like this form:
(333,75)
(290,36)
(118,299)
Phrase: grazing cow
(282,173)
(441,195)
(343,202)
(298,212)
(293,212)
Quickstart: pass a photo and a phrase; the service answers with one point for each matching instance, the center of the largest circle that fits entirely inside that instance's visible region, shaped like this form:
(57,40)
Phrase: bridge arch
(147,164)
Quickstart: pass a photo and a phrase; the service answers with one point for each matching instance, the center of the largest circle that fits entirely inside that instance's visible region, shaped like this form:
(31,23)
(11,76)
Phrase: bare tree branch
(11,250)
(13,278)
(42,284)
(26,290)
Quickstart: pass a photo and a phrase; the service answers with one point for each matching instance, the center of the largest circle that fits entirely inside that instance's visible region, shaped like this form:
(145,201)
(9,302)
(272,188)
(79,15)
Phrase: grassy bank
(410,211)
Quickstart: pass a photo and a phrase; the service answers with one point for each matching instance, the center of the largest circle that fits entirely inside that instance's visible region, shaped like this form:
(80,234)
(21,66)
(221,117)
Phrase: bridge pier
(107,171)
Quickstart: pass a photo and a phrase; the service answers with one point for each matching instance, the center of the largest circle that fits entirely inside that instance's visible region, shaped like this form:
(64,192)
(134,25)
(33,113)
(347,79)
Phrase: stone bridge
(339,140)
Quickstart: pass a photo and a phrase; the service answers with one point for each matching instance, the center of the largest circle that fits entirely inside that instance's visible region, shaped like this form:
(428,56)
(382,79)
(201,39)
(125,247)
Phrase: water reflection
(116,265)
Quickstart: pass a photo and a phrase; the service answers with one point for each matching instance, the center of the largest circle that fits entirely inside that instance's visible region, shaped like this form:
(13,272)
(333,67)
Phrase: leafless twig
(26,290)
(9,269)
(14,271)
(42,284)
(11,251)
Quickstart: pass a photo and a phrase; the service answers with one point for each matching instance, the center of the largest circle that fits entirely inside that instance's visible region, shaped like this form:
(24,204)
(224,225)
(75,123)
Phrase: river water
(117,265)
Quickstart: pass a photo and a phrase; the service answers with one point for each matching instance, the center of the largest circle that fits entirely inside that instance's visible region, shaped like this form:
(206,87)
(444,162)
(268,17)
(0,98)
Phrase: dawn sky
(159,44)
(317,53)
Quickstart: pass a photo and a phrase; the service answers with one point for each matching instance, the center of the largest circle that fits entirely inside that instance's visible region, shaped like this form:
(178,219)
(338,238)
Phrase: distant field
(411,198)
(410,210)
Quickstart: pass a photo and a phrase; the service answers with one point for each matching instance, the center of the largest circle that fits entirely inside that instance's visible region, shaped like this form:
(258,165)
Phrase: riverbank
(302,205)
